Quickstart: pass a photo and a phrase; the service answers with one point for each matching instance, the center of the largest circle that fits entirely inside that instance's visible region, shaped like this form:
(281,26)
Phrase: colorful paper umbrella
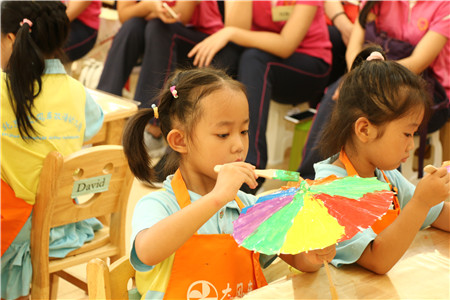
(314,215)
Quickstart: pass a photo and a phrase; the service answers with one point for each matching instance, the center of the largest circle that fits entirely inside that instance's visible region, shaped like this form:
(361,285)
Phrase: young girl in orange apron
(204,117)
(212,259)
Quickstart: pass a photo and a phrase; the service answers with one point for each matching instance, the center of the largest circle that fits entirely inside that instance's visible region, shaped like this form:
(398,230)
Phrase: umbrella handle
(334,294)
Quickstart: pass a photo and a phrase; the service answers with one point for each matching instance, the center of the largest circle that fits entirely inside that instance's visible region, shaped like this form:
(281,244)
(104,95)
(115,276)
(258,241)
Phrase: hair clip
(155,111)
(25,20)
(174,91)
(375,56)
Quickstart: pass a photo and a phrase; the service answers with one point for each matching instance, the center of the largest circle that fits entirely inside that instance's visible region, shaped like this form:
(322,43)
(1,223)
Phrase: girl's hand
(317,257)
(163,14)
(231,177)
(205,51)
(433,188)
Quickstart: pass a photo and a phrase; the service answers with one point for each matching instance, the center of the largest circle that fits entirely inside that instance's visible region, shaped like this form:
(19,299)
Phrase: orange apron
(211,266)
(391,214)
(14,213)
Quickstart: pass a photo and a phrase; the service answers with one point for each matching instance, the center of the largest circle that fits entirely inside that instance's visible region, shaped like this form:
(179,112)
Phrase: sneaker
(156,147)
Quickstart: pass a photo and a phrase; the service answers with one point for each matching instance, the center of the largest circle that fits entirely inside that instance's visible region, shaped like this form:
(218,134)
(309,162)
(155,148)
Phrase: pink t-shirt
(410,25)
(316,42)
(90,16)
(207,17)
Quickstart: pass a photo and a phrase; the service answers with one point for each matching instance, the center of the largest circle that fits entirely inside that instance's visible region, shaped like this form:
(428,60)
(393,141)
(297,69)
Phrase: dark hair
(45,38)
(365,12)
(381,91)
(365,53)
(192,86)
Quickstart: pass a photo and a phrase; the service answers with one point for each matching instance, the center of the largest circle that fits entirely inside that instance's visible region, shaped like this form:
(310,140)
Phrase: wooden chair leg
(54,282)
(73,280)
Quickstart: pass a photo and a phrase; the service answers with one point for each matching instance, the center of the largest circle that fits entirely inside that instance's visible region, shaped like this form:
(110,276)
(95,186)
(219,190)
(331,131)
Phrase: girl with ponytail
(42,110)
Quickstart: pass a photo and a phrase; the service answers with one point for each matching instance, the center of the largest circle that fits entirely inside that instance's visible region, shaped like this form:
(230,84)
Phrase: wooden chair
(109,282)
(55,207)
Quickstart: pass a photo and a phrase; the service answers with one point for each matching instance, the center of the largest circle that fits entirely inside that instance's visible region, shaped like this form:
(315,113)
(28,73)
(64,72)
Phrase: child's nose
(411,145)
(238,145)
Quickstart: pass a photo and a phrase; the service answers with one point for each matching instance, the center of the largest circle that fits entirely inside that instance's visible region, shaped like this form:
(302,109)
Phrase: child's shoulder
(327,167)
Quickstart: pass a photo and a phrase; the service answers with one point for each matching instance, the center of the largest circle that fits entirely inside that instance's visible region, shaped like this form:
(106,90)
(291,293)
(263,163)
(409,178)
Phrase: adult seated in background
(149,31)
(340,16)
(84,23)
(416,35)
(287,58)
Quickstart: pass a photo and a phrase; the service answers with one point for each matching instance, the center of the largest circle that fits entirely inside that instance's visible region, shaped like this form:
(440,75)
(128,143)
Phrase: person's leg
(127,47)
(311,153)
(80,41)
(300,78)
(339,64)
(159,50)
(174,41)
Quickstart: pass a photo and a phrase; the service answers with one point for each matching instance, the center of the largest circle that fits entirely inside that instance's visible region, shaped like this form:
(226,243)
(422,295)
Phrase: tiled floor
(68,291)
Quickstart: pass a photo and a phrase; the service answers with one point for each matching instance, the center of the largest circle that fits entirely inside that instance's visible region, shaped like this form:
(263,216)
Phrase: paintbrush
(282,175)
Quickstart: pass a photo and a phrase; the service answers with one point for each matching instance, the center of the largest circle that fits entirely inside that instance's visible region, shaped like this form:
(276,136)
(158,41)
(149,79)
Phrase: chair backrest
(109,282)
(102,172)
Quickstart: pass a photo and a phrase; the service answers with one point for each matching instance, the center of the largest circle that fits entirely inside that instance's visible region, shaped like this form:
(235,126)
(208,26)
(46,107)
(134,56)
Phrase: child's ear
(364,130)
(176,140)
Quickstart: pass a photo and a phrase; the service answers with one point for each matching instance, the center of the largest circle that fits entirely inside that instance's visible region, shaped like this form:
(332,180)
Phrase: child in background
(181,234)
(42,110)
(381,105)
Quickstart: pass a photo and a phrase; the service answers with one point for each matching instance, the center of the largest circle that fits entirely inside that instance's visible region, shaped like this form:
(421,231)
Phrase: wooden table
(423,272)
(116,111)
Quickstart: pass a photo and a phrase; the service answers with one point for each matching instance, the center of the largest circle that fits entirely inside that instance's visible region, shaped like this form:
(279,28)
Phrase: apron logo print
(240,290)
(203,289)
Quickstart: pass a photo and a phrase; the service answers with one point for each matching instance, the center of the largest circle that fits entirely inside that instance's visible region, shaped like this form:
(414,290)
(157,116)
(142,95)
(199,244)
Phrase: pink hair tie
(25,20)
(174,91)
(375,56)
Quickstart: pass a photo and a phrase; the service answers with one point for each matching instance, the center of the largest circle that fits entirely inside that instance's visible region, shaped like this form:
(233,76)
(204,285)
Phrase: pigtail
(25,67)
(134,147)
(41,28)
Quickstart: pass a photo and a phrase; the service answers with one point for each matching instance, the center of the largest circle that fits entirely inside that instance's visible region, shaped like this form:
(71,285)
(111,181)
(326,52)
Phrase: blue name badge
(91,185)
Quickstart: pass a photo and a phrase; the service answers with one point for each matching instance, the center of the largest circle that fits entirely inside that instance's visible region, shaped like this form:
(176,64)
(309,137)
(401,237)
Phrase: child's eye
(244,132)
(408,135)
(222,136)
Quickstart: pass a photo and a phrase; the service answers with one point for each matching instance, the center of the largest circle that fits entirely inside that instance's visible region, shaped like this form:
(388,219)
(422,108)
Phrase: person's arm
(158,242)
(185,9)
(443,221)
(390,245)
(281,44)
(154,9)
(75,8)
(355,43)
(425,52)
(133,9)
(310,261)
(335,12)
(239,14)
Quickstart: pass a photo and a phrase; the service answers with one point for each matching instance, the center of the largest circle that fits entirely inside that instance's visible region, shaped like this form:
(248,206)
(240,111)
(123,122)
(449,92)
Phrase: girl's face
(393,147)
(220,135)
